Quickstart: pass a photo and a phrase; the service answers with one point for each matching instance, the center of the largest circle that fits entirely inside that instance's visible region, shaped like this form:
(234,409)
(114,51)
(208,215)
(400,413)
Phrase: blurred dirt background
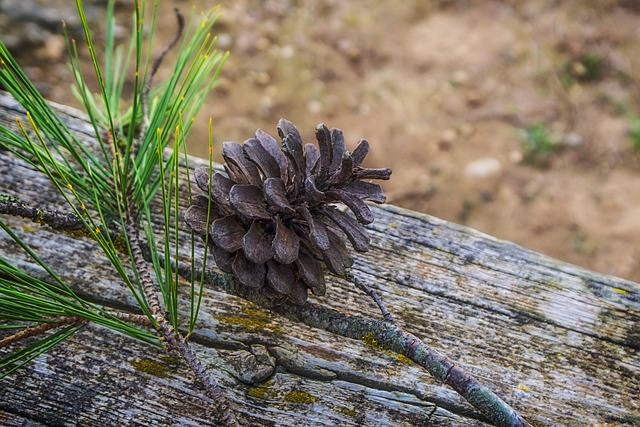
(519,119)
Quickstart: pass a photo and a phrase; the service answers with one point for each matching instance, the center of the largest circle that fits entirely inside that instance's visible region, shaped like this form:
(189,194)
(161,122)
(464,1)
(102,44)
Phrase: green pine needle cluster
(140,146)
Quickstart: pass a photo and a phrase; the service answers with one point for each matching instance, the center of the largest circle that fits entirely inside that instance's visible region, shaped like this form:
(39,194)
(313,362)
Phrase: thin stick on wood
(58,221)
(373,294)
(390,337)
(40,330)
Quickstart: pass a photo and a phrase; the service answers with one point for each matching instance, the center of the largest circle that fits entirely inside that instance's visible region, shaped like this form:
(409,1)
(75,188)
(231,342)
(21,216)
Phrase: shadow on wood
(557,342)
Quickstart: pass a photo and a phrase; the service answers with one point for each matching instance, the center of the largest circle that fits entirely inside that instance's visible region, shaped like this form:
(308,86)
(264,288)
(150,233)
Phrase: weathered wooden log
(557,342)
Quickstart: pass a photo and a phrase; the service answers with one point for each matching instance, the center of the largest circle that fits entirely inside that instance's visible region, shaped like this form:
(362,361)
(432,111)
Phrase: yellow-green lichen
(151,367)
(297,397)
(369,340)
(78,233)
(402,358)
(170,360)
(258,392)
(348,412)
(39,219)
(256,313)
(253,319)
(120,244)
(554,284)
(263,391)
(28,229)
(300,397)
(6,198)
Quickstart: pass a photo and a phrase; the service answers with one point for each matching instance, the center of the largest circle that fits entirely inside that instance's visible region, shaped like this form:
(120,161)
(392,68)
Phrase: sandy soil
(448,93)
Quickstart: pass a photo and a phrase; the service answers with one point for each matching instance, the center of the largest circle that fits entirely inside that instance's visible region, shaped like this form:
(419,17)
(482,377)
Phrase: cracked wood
(557,342)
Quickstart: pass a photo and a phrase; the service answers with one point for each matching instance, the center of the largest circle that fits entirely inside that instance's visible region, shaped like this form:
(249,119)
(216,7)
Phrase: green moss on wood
(347,412)
(77,233)
(300,397)
(252,319)
(28,229)
(369,340)
(259,392)
(120,244)
(403,359)
(266,391)
(151,367)
(6,198)
(263,391)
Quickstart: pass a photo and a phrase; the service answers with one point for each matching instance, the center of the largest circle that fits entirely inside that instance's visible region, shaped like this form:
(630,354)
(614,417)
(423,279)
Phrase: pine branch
(140,255)
(132,181)
(149,288)
(65,222)
(173,338)
(134,319)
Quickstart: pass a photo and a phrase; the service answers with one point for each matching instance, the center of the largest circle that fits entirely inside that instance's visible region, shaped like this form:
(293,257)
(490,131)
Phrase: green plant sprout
(634,132)
(537,145)
(585,68)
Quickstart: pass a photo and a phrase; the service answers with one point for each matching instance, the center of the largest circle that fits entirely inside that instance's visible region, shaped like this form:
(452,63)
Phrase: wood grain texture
(557,342)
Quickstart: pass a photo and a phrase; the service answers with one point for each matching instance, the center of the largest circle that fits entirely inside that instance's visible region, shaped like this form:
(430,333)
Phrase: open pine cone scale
(273,221)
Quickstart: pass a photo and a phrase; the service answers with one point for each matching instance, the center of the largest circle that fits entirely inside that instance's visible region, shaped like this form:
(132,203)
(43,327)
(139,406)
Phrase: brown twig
(373,294)
(390,337)
(41,329)
(66,222)
(58,221)
(134,319)
(156,64)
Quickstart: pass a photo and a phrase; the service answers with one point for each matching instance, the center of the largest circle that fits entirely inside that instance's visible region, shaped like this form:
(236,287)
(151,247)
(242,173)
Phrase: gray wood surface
(557,342)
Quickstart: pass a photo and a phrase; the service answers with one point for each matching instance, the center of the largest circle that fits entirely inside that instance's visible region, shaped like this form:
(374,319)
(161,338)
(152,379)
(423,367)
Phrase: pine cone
(273,220)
